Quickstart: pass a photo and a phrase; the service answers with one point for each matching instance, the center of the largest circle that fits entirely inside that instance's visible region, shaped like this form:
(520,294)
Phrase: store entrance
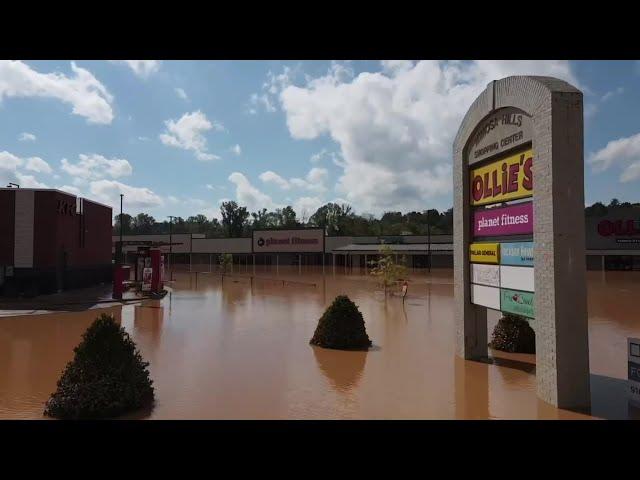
(622,262)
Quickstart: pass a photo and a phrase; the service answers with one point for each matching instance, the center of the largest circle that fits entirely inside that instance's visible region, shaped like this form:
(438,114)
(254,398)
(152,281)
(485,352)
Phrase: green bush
(513,334)
(106,378)
(341,327)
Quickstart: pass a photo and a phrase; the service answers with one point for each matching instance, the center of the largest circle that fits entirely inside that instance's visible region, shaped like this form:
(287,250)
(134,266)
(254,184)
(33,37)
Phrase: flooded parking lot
(239,349)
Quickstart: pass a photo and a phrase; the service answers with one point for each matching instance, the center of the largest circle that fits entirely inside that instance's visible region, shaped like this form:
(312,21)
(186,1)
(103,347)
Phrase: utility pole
(121,248)
(428,241)
(171,217)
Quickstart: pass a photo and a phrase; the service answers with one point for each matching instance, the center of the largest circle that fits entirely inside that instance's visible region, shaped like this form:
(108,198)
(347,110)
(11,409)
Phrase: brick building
(52,241)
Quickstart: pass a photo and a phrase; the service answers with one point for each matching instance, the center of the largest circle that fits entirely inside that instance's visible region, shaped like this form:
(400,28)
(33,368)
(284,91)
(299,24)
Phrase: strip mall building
(612,243)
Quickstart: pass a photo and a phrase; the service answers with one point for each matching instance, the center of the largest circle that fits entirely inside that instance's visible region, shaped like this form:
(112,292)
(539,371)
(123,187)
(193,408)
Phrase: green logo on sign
(517,302)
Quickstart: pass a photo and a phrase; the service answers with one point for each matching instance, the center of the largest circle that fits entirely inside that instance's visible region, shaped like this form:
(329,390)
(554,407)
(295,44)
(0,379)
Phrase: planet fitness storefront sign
(519,132)
(307,240)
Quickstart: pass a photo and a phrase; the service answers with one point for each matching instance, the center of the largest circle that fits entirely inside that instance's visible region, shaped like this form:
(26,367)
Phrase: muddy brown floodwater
(239,349)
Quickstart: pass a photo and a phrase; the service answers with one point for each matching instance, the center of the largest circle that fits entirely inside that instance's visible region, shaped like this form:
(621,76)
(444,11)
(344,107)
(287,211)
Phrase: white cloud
(395,128)
(249,196)
(591,107)
(611,93)
(182,94)
(272,177)
(624,152)
(306,206)
(314,181)
(631,172)
(9,161)
(142,68)
(108,192)
(27,137)
(324,153)
(626,148)
(144,139)
(88,97)
(71,189)
(36,164)
(11,164)
(29,181)
(94,167)
(236,149)
(267,99)
(187,133)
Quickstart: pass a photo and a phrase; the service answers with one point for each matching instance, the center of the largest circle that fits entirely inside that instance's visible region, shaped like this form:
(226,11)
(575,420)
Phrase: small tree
(341,327)
(106,378)
(513,334)
(386,270)
(226,262)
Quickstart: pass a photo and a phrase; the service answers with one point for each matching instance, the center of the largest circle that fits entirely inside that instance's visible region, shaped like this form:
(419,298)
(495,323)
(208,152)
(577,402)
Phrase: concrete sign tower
(519,243)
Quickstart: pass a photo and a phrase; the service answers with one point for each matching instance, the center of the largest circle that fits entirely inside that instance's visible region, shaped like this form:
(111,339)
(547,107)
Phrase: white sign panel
(485,296)
(308,240)
(485,274)
(517,278)
(633,349)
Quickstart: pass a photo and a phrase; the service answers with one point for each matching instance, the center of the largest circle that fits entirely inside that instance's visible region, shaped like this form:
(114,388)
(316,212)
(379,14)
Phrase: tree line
(336,219)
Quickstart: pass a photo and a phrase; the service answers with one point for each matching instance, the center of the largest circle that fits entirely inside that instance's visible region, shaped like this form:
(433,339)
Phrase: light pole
(428,242)
(121,227)
(171,217)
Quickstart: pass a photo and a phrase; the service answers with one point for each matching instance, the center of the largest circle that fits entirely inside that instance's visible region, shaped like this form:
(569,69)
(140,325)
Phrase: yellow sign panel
(484,253)
(506,179)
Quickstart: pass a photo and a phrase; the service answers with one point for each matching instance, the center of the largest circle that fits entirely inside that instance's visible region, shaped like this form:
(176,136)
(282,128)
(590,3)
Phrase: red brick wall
(56,232)
(97,236)
(45,229)
(7,215)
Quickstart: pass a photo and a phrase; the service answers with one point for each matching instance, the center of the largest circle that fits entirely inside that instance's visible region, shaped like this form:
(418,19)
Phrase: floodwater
(239,348)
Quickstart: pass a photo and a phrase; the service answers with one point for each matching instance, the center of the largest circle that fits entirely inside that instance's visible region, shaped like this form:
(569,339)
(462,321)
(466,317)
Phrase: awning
(400,248)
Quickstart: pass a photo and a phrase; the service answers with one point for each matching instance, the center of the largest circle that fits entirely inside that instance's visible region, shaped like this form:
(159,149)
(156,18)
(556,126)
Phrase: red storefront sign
(607,228)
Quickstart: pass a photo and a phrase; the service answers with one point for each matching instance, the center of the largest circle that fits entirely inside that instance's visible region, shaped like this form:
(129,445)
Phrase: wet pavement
(238,348)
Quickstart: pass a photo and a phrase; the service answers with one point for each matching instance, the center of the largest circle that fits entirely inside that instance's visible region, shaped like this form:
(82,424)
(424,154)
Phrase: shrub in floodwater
(106,378)
(513,334)
(341,327)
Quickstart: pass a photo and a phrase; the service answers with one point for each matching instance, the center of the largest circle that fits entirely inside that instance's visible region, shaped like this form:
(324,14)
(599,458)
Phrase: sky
(180,137)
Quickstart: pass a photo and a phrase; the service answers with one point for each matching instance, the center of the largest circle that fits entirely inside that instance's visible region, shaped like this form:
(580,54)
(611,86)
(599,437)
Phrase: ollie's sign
(308,240)
(630,227)
(508,179)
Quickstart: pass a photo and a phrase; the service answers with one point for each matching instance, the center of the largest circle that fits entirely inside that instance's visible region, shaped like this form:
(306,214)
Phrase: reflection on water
(238,347)
(342,368)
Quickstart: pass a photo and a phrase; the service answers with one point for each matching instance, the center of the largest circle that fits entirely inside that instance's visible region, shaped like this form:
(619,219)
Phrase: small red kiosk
(149,269)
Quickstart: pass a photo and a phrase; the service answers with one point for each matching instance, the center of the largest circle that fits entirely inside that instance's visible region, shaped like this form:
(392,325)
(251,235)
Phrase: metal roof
(397,247)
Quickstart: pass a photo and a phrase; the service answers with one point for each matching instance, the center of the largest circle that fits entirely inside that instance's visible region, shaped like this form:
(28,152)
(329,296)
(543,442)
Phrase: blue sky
(178,137)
